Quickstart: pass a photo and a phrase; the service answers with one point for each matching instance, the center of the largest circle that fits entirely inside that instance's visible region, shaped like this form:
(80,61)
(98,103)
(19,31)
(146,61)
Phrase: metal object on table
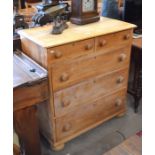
(54,14)
(48,12)
(18,20)
(59,25)
(47,4)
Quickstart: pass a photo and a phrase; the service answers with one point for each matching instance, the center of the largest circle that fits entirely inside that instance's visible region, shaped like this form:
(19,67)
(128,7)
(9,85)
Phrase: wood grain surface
(70,50)
(89,115)
(43,37)
(88,72)
(72,71)
(68,99)
(137,42)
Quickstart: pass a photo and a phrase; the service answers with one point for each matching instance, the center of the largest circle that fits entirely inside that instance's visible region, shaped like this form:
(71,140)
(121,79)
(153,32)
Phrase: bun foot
(58,147)
(120,115)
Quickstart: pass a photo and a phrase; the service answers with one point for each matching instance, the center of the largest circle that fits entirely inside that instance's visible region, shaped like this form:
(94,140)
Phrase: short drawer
(113,41)
(70,50)
(75,70)
(90,115)
(87,91)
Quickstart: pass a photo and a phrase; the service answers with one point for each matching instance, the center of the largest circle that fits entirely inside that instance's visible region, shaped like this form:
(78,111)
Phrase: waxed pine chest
(88,74)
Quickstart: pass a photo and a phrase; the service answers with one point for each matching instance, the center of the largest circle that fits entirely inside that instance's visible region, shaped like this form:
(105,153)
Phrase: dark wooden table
(29,89)
(135,88)
(131,146)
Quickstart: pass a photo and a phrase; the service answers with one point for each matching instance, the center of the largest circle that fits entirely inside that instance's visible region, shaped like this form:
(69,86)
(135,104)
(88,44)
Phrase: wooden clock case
(79,17)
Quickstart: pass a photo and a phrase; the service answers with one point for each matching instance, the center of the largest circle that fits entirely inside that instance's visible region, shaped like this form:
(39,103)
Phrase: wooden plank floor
(131,146)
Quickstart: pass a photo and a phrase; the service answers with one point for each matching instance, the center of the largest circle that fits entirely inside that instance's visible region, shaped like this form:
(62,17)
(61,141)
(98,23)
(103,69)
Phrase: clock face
(88,5)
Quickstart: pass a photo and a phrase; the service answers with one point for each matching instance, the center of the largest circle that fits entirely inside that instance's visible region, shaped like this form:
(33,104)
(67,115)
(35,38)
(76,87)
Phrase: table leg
(26,126)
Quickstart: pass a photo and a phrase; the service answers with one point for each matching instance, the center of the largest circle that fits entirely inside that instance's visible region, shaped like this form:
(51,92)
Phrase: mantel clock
(84,11)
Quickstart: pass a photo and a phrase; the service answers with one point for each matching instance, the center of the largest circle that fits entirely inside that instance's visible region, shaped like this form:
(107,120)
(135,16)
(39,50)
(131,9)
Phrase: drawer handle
(118,102)
(88,47)
(67,127)
(122,57)
(58,54)
(64,77)
(127,37)
(120,79)
(102,43)
(65,103)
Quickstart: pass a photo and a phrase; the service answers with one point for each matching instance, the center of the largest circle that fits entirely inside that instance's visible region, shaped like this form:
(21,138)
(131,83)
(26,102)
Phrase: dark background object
(135,82)
(110,9)
(46,12)
(19,23)
(133,12)
(47,4)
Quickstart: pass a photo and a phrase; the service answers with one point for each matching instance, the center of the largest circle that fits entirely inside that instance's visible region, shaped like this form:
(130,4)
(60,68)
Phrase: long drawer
(90,114)
(75,70)
(87,91)
(113,41)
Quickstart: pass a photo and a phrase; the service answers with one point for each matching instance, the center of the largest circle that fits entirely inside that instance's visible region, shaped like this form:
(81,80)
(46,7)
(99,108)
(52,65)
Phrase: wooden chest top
(43,37)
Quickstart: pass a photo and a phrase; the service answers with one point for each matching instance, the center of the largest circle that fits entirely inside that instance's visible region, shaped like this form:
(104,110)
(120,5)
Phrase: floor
(99,140)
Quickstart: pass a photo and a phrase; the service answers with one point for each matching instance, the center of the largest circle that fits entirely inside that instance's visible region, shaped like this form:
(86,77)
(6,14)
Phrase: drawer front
(71,50)
(87,91)
(113,41)
(90,114)
(72,71)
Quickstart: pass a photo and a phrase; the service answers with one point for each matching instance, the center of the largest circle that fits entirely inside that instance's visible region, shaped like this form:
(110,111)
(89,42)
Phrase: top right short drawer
(113,41)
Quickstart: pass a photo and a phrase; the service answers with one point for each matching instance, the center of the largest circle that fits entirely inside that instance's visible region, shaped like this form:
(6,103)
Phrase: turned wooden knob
(120,79)
(64,77)
(67,127)
(102,43)
(127,37)
(122,57)
(65,103)
(58,54)
(88,47)
(118,102)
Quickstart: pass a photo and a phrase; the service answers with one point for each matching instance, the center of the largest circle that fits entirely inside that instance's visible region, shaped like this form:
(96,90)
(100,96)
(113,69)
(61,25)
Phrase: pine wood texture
(131,146)
(137,43)
(87,71)
(43,37)
(89,114)
(72,71)
(113,41)
(87,91)
(74,49)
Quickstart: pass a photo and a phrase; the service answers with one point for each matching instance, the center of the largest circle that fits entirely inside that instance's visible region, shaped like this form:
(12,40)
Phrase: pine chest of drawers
(88,75)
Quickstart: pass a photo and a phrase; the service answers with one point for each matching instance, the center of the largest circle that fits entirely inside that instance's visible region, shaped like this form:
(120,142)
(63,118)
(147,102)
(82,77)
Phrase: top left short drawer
(70,50)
